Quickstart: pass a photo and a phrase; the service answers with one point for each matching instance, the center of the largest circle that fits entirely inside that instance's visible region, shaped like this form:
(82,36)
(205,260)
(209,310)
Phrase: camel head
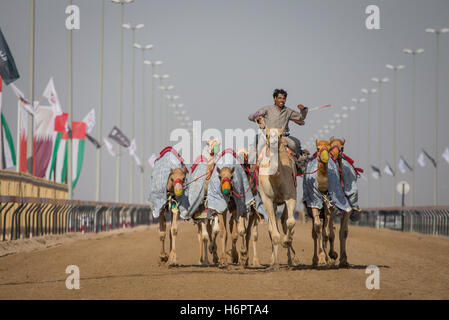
(225,175)
(322,148)
(176,180)
(213,146)
(336,147)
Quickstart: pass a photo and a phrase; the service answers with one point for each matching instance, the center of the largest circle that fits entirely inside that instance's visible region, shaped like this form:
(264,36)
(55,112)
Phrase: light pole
(163,107)
(379,138)
(413,53)
(133,92)
(120,100)
(435,137)
(161,97)
(69,119)
(100,103)
(368,145)
(357,108)
(395,108)
(142,152)
(153,65)
(169,99)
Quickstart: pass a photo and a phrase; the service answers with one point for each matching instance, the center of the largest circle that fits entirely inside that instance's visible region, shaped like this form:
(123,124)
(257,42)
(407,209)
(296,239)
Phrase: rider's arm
(299,117)
(259,113)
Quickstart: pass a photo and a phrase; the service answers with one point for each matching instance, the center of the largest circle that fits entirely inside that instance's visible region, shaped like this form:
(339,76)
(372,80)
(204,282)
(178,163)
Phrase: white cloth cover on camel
(312,196)
(216,201)
(158,184)
(196,188)
(350,182)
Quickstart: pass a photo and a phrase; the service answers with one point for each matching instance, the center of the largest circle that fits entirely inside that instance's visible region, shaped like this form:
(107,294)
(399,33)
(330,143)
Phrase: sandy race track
(123,265)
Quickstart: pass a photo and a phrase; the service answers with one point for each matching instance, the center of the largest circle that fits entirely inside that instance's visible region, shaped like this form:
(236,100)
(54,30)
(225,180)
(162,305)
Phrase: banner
(109,147)
(376,172)
(89,119)
(119,137)
(445,155)
(403,165)
(44,128)
(52,97)
(7,151)
(78,142)
(389,170)
(8,69)
(58,160)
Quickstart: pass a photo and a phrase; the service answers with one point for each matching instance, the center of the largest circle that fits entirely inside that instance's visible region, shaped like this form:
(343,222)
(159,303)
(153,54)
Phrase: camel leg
(253,231)
(213,230)
(162,232)
(234,236)
(343,237)
(288,226)
(318,254)
(204,239)
(224,238)
(242,233)
(326,231)
(173,234)
(332,253)
(198,225)
(275,236)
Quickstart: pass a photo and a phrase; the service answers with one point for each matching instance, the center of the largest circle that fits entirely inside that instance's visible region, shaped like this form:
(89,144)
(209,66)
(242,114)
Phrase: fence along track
(426,220)
(26,217)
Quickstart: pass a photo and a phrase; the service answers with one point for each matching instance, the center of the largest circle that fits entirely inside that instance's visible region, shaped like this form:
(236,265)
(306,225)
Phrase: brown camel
(278,186)
(336,150)
(175,184)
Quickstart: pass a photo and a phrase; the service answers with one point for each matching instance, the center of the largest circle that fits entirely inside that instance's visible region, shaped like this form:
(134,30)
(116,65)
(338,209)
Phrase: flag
(403,165)
(93,141)
(52,97)
(24,102)
(44,128)
(421,160)
(78,142)
(89,119)
(152,160)
(7,151)
(23,138)
(132,152)
(8,69)
(430,158)
(119,137)
(445,155)
(58,160)
(389,170)
(109,147)
(376,172)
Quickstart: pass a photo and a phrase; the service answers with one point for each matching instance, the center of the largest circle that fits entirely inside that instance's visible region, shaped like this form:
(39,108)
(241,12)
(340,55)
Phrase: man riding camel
(278,116)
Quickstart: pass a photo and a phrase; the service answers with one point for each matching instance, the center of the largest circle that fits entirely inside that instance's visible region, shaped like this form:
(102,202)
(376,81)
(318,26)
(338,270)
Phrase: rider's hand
(301,107)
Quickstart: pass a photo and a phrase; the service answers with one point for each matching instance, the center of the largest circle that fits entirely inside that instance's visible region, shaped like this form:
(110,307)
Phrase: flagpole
(30,144)
(100,102)
(18,137)
(69,120)
(142,174)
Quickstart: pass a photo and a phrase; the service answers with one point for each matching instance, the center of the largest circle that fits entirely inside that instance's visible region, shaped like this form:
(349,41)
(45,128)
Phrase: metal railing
(26,217)
(426,220)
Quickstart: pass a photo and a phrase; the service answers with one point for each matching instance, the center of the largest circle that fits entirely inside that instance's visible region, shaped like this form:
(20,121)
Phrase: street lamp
(379,156)
(161,78)
(153,68)
(142,48)
(413,53)
(435,137)
(368,145)
(132,133)
(120,100)
(395,70)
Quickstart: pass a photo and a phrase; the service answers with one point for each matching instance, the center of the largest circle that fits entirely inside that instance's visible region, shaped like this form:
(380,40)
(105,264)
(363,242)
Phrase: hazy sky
(226,57)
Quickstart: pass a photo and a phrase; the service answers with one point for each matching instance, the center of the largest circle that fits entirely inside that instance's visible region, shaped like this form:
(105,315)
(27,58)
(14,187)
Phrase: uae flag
(7,152)
(78,142)
(59,150)
(44,124)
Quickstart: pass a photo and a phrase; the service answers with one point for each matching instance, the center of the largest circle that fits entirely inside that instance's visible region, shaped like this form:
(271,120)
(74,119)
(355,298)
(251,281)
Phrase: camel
(206,229)
(174,187)
(336,151)
(277,182)
(255,217)
(236,225)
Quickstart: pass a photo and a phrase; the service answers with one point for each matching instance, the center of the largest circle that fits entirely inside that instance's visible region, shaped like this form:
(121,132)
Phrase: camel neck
(322,167)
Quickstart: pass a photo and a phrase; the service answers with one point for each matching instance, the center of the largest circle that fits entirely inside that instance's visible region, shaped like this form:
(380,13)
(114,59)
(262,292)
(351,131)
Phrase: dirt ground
(123,265)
